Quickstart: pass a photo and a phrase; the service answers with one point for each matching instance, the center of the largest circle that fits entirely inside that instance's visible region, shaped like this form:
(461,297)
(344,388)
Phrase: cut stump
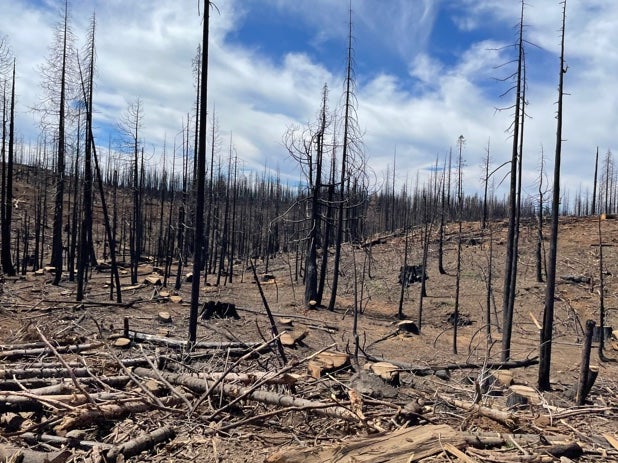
(326,362)
(294,338)
(153,279)
(385,370)
(164,317)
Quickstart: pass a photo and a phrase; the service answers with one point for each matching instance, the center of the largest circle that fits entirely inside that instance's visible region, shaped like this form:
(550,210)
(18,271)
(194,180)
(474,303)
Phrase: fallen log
(54,389)
(70,442)
(39,351)
(272,398)
(182,344)
(139,444)
(252,377)
(88,415)
(402,446)
(431,370)
(18,403)
(125,305)
(506,418)
(498,439)
(300,318)
(29,373)
(15,454)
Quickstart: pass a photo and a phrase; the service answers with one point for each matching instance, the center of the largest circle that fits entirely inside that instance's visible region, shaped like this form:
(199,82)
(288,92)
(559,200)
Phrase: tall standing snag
(86,249)
(511,244)
(200,183)
(550,289)
(7,205)
(346,152)
(56,83)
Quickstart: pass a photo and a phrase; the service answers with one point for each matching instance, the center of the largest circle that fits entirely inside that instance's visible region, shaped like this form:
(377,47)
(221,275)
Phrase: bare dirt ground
(431,376)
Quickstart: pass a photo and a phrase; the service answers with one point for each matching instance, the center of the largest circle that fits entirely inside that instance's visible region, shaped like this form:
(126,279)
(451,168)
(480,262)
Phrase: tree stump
(530,393)
(122,343)
(164,317)
(294,338)
(385,370)
(220,310)
(407,326)
(326,362)
(154,279)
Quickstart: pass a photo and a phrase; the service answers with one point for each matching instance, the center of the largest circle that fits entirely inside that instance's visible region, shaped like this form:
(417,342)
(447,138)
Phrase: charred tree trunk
(594,185)
(85,242)
(601,294)
(539,252)
(344,167)
(76,208)
(56,259)
(442,218)
(550,290)
(200,180)
(7,261)
(507,304)
(108,228)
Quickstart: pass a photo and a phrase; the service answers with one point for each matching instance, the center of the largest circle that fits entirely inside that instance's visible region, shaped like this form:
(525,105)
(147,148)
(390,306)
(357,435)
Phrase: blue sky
(426,73)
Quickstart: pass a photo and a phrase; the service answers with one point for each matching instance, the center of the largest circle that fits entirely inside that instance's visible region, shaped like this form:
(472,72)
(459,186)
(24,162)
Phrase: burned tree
(550,289)
(306,147)
(130,127)
(86,249)
(350,151)
(200,180)
(7,183)
(510,272)
(58,86)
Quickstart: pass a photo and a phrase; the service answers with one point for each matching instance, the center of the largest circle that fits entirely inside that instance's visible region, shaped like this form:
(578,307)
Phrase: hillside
(211,427)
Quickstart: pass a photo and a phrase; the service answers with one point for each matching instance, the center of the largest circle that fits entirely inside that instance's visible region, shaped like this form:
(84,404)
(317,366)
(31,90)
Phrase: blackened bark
(56,259)
(344,160)
(507,305)
(550,289)
(7,261)
(85,242)
(200,181)
(594,186)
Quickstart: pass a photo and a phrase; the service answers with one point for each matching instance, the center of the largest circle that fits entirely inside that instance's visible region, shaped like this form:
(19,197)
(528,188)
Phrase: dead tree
(550,289)
(58,86)
(7,191)
(594,185)
(306,147)
(460,143)
(85,241)
(510,276)
(349,145)
(200,181)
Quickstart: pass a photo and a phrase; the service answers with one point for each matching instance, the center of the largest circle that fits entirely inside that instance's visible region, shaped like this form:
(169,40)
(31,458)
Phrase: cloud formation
(413,95)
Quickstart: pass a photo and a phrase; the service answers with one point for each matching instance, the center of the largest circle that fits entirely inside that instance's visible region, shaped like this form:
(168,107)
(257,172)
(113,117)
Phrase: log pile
(66,396)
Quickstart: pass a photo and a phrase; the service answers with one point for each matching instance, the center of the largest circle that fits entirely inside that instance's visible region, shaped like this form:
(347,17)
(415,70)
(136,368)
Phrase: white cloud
(145,50)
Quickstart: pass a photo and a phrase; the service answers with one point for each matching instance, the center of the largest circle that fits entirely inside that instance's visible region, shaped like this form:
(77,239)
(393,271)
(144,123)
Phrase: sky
(426,72)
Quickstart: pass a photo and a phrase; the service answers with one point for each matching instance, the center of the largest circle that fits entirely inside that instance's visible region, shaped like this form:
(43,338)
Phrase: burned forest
(177,305)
